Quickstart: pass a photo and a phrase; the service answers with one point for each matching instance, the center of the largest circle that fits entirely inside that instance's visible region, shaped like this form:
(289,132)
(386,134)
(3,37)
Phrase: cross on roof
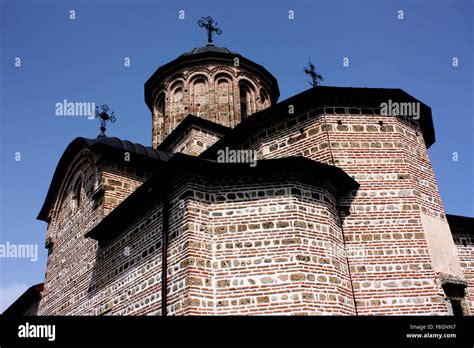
(104,117)
(311,72)
(208,24)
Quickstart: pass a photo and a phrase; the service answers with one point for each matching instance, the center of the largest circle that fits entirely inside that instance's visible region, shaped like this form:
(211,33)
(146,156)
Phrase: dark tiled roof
(463,222)
(209,48)
(25,301)
(125,145)
(111,147)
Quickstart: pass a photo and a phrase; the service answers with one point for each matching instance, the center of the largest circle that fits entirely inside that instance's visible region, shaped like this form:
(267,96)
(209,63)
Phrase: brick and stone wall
(239,246)
(281,244)
(395,221)
(194,141)
(90,190)
(71,256)
(126,276)
(281,251)
(118,181)
(464,240)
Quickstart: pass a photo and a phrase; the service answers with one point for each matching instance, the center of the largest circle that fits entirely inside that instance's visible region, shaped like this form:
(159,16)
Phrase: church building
(320,204)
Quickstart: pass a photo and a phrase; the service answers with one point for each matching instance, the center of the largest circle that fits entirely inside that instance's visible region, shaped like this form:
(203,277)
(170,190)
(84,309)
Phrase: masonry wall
(464,241)
(267,245)
(127,275)
(118,181)
(278,249)
(126,278)
(263,247)
(71,255)
(394,269)
(193,142)
(241,246)
(71,258)
(396,275)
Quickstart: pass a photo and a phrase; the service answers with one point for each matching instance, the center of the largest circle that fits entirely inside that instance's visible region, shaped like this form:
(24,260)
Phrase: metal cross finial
(208,24)
(104,118)
(311,72)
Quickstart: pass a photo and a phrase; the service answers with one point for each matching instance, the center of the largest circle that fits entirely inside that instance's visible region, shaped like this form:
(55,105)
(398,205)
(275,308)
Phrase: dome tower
(209,82)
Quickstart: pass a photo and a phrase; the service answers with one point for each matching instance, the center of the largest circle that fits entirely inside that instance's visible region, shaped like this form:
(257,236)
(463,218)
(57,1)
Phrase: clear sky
(82,60)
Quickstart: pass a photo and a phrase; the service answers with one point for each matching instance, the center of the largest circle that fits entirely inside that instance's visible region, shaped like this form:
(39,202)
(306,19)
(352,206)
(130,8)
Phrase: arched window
(223,91)
(224,99)
(199,95)
(160,105)
(199,87)
(160,110)
(177,106)
(264,100)
(246,100)
(177,94)
(243,102)
(77,194)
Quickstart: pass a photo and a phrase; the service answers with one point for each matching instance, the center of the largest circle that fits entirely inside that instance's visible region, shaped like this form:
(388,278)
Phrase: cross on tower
(208,24)
(311,72)
(104,117)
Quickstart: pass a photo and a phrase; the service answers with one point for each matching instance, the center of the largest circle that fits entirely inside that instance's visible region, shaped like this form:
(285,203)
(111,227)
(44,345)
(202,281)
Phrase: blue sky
(83,60)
